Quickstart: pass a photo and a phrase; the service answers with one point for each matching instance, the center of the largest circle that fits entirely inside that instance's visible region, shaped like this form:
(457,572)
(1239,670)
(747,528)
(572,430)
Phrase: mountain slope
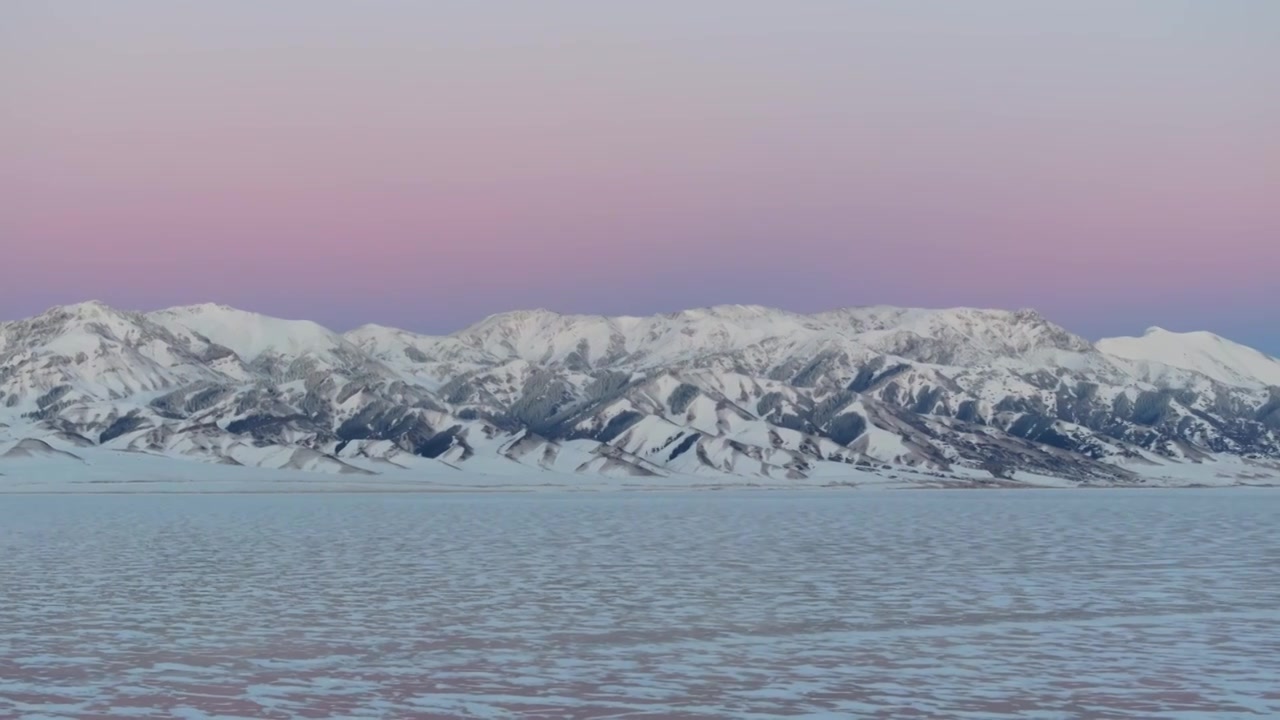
(951,395)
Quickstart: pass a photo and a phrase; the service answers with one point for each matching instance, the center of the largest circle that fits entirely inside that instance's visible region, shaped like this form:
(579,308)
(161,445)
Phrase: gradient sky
(1114,164)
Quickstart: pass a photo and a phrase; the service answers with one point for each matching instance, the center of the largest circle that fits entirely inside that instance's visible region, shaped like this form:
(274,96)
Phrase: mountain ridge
(739,391)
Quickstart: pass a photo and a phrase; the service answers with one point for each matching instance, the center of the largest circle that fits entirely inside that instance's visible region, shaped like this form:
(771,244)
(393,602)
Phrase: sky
(1114,164)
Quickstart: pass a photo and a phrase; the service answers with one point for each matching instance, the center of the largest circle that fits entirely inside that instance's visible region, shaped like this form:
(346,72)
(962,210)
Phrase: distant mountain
(1201,352)
(947,396)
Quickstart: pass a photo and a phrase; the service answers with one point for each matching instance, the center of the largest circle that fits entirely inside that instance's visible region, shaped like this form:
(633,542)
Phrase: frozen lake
(912,604)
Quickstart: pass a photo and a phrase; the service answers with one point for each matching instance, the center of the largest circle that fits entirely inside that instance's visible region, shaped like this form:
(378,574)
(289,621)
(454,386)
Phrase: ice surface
(735,604)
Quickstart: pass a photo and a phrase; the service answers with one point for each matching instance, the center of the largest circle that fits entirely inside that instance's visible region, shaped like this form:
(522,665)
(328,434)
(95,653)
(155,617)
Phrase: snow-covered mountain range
(743,392)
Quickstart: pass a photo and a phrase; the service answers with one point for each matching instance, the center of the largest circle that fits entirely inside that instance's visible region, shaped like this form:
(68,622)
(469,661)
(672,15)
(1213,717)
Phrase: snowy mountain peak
(207,308)
(1200,352)
(372,329)
(92,351)
(82,308)
(89,311)
(735,312)
(518,316)
(75,327)
(248,334)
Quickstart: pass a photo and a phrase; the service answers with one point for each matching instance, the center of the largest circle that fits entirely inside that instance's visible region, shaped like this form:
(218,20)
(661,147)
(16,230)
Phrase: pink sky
(1115,165)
